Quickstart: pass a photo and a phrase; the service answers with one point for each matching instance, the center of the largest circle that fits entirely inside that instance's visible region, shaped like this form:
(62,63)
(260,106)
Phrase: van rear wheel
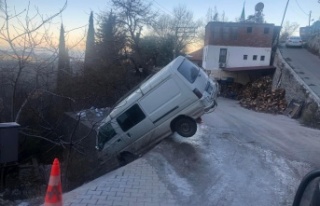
(185,127)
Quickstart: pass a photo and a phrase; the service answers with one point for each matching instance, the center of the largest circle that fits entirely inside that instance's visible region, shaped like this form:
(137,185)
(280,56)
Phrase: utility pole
(310,17)
(284,13)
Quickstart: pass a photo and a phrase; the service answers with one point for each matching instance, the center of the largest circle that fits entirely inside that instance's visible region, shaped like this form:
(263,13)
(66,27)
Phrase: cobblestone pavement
(135,184)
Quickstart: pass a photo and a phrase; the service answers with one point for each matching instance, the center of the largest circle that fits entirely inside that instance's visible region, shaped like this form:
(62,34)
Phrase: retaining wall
(296,89)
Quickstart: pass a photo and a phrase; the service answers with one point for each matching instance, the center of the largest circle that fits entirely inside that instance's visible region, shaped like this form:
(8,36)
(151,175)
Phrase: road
(305,64)
(238,157)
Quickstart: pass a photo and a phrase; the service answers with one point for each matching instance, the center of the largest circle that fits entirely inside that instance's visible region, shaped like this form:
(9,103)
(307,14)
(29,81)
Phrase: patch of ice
(181,184)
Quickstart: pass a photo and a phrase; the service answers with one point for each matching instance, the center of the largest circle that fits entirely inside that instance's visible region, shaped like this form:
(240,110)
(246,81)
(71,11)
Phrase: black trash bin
(9,142)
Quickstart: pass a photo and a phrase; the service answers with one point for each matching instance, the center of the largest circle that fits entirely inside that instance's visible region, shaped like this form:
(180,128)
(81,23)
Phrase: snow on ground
(238,157)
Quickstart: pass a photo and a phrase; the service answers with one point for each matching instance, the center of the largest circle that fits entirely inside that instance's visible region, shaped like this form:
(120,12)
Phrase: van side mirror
(308,193)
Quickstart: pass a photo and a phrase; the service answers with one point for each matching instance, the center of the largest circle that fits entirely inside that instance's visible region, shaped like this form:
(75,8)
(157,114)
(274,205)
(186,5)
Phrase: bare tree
(133,16)
(181,27)
(23,33)
(26,80)
(288,30)
(215,14)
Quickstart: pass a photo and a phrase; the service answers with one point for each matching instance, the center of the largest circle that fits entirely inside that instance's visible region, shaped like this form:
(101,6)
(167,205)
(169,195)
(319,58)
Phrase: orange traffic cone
(54,190)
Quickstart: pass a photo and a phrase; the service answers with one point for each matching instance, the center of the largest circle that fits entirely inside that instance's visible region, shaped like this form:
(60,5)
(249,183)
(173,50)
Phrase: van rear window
(189,71)
(130,118)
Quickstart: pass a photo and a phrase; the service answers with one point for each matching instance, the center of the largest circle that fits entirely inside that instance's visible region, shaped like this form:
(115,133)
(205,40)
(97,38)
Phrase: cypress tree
(110,40)
(64,71)
(90,46)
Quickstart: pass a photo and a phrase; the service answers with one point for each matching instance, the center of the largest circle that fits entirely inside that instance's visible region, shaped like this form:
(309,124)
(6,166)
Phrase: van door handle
(119,140)
(129,135)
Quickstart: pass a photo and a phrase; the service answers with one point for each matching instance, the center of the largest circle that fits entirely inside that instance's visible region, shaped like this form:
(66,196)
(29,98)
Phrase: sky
(77,12)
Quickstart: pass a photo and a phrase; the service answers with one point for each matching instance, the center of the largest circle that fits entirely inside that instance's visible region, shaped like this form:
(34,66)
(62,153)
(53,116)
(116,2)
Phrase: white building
(234,48)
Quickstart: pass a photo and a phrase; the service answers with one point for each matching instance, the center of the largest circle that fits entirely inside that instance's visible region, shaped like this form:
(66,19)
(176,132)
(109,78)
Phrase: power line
(163,9)
(301,8)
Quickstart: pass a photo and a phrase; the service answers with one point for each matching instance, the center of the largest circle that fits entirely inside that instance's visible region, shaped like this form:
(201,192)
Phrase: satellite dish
(259,6)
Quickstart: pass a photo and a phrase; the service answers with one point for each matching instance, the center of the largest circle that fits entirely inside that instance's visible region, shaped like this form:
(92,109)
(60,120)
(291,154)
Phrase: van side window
(106,132)
(131,117)
(189,71)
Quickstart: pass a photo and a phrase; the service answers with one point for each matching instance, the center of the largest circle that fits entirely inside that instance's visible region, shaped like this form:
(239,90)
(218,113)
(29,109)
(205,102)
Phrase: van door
(110,137)
(134,123)
(164,100)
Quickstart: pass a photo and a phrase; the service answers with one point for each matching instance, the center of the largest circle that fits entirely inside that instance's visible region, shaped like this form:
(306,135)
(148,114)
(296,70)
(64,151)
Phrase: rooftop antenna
(258,14)
(259,7)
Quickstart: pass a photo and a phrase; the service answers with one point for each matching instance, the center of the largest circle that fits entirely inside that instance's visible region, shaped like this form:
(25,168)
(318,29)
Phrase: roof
(236,69)
(196,55)
(246,34)
(245,24)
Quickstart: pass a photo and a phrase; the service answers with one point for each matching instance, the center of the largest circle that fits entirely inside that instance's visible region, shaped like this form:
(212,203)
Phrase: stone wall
(314,44)
(296,89)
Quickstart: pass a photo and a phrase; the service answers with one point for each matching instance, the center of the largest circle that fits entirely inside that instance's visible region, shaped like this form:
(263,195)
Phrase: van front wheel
(185,127)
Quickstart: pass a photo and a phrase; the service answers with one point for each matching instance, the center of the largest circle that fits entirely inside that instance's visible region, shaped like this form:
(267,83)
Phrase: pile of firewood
(258,96)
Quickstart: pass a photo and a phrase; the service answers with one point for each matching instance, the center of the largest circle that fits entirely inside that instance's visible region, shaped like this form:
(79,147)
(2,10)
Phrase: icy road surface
(238,157)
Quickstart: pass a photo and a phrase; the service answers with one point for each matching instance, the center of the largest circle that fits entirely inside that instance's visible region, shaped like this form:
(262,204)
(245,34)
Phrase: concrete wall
(296,89)
(235,56)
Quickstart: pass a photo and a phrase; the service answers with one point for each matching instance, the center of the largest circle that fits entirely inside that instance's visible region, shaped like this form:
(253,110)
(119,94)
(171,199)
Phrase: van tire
(184,126)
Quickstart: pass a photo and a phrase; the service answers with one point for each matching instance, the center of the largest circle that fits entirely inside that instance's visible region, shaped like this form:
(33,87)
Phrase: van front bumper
(211,108)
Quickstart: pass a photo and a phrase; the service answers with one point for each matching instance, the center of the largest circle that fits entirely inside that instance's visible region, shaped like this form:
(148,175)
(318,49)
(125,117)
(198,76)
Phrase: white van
(170,101)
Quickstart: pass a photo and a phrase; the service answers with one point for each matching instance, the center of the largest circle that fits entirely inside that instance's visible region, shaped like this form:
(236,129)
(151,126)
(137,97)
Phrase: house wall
(235,56)
(239,38)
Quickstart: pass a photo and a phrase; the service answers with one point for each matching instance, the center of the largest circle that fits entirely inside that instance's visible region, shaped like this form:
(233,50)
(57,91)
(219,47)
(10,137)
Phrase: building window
(223,56)
(262,58)
(254,57)
(245,57)
(249,29)
(266,30)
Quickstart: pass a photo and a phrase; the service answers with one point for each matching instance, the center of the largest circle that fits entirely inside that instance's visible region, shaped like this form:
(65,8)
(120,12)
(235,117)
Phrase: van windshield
(189,71)
(106,132)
